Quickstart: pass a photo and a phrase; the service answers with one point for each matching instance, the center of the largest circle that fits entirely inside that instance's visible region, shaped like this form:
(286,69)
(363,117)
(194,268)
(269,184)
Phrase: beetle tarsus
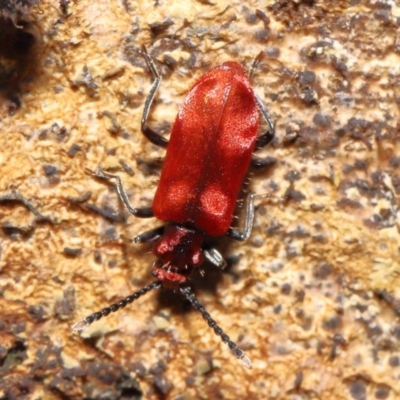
(79,326)
(215,258)
(238,235)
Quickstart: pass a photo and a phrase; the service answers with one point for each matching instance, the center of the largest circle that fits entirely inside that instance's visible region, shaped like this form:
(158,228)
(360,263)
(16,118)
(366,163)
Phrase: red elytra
(208,154)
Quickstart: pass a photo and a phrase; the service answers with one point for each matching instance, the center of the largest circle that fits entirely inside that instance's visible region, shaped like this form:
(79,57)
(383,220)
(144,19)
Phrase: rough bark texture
(313,296)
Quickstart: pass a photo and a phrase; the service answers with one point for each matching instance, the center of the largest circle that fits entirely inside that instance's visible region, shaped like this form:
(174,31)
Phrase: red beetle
(208,155)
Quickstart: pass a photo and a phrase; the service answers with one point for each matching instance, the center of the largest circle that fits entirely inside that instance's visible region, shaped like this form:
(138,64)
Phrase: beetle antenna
(255,63)
(78,326)
(236,350)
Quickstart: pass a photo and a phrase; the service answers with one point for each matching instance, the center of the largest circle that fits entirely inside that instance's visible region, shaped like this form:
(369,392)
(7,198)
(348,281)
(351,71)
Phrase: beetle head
(178,252)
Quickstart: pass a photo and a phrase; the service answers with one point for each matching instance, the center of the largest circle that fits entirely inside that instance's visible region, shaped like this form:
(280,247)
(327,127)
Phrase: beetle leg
(149,236)
(141,212)
(236,234)
(215,257)
(266,137)
(153,136)
(262,162)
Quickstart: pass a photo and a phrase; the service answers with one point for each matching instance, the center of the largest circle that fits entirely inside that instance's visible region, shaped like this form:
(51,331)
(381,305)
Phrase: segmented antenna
(255,63)
(114,307)
(236,350)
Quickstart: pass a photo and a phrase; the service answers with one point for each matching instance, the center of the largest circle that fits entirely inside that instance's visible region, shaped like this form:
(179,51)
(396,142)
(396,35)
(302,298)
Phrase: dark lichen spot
(361,307)
(273,52)
(139,369)
(149,167)
(332,323)
(358,390)
(113,125)
(299,312)
(72,252)
(127,168)
(394,361)
(18,327)
(322,271)
(306,78)
(228,23)
(299,379)
(383,16)
(112,263)
(97,257)
(111,233)
(299,294)
(50,170)
(263,17)
(375,331)
(394,161)
(292,176)
(320,239)
(72,372)
(382,392)
(65,307)
(251,18)
(316,207)
(347,203)
(295,195)
(316,51)
(14,197)
(64,6)
(277,308)
(162,385)
(3,353)
(73,150)
(169,60)
(273,229)
(37,313)
(16,354)
(338,340)
(107,212)
(347,169)
(190,381)
(262,35)
(299,232)
(340,132)
(361,165)
(17,232)
(130,389)
(85,79)
(160,27)
(322,120)
(339,65)
(63,387)
(309,96)
(286,288)
(80,199)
